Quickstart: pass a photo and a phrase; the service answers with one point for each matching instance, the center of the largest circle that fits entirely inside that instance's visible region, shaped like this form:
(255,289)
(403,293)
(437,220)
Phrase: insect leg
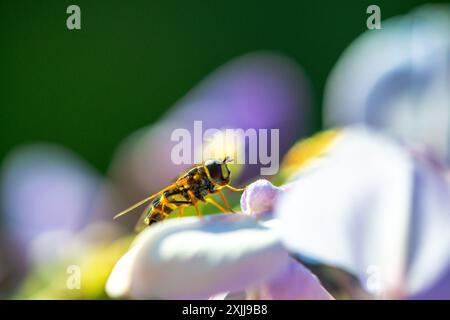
(234,189)
(194,201)
(199,212)
(218,206)
(163,200)
(225,202)
(180,211)
(180,205)
(162,210)
(167,202)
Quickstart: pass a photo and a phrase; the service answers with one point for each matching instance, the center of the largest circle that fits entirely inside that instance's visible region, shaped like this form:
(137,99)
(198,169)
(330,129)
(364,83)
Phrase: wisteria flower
(218,255)
(369,208)
(377,210)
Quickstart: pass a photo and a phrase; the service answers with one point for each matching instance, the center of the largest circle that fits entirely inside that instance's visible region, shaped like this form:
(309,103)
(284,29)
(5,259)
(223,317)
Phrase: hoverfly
(193,186)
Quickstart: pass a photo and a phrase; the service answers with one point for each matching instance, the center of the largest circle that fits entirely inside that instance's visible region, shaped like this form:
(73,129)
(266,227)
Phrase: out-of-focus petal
(374,210)
(46,188)
(198,258)
(397,79)
(257,91)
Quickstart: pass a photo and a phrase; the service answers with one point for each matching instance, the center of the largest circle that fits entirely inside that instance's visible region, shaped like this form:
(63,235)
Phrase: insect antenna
(227,160)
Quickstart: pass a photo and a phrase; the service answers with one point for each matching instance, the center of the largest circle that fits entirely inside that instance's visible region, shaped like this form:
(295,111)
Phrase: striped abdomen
(164,205)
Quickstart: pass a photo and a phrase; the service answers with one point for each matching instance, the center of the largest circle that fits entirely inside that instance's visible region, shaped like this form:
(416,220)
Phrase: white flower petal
(119,281)
(372,209)
(197,258)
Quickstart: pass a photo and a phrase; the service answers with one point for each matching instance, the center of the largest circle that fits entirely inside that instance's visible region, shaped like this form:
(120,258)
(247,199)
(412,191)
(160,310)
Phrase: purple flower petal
(296,282)
(259,198)
(397,80)
(259,91)
(373,209)
(46,188)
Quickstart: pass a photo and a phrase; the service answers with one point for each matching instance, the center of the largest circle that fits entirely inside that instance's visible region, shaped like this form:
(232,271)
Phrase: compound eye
(215,171)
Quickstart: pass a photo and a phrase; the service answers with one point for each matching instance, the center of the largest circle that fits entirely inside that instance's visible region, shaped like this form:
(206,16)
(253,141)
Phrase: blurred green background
(90,88)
